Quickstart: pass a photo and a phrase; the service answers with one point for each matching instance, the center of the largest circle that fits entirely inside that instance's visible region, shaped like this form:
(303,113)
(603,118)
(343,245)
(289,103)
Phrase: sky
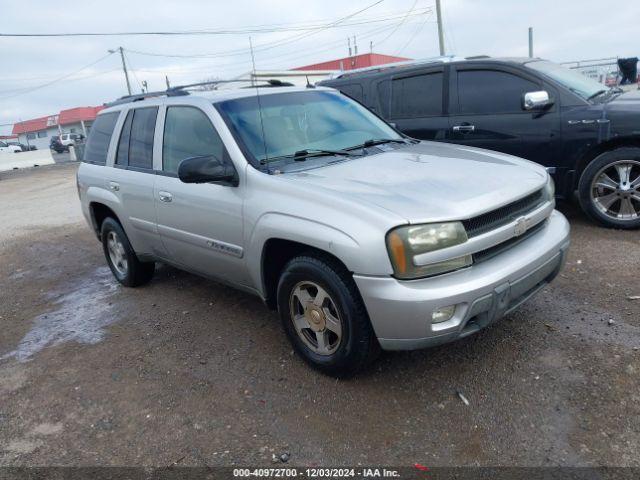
(31,83)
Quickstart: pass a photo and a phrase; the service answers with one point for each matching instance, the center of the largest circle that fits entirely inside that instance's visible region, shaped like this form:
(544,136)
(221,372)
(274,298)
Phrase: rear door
(132,179)
(416,103)
(200,224)
(487,112)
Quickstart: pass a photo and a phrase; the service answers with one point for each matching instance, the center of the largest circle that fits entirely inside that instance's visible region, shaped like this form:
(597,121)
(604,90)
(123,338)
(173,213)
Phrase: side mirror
(536,100)
(207,169)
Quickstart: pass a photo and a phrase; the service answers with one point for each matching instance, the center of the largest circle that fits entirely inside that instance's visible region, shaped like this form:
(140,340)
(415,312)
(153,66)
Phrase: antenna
(264,140)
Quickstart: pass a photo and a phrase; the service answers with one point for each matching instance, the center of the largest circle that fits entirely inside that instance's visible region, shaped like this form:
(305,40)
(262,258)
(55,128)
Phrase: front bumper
(400,311)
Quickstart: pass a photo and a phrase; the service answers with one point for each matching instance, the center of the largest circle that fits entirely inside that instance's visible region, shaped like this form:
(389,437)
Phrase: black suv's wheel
(324,316)
(609,188)
(122,260)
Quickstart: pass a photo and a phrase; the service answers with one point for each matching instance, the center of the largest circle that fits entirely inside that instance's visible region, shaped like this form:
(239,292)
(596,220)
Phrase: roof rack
(181,90)
(404,63)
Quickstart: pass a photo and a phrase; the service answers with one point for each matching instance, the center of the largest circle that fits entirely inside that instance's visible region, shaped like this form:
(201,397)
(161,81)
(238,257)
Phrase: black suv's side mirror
(536,100)
(207,169)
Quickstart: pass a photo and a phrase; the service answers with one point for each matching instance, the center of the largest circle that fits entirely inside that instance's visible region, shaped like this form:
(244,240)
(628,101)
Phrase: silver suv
(361,238)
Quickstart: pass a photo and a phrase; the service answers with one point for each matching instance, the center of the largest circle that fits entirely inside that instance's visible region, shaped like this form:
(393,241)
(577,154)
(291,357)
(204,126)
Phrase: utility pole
(530,42)
(124,67)
(166,79)
(440,31)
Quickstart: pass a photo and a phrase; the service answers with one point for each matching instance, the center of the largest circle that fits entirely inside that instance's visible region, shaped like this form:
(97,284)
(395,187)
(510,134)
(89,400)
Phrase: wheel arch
(276,253)
(599,149)
(99,212)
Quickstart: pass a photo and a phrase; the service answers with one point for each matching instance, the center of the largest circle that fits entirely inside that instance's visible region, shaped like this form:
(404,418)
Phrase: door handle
(114,186)
(165,197)
(464,128)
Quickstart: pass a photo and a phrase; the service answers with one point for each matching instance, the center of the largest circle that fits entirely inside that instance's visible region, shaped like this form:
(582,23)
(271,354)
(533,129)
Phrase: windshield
(296,121)
(579,84)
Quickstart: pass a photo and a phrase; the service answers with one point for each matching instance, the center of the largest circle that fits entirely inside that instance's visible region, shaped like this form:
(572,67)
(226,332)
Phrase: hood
(629,100)
(430,181)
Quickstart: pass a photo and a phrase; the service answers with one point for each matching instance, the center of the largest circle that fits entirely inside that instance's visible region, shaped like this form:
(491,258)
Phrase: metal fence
(603,70)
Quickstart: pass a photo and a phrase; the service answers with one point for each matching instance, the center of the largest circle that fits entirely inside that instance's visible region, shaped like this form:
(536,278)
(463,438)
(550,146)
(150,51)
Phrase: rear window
(143,127)
(100,137)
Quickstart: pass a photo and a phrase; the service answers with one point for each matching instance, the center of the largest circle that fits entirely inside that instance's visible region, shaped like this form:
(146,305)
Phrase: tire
(121,258)
(606,180)
(356,346)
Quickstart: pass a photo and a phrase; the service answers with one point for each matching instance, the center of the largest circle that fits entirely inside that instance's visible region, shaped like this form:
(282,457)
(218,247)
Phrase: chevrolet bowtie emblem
(520,227)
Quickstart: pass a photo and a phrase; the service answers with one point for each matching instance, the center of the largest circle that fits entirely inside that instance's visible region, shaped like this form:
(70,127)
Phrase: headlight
(550,189)
(404,243)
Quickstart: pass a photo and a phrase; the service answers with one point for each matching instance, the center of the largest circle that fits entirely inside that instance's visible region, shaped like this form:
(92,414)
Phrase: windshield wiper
(302,155)
(376,141)
(597,94)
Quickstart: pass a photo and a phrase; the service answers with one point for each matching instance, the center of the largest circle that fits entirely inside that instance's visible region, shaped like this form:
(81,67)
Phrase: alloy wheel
(615,190)
(315,318)
(117,253)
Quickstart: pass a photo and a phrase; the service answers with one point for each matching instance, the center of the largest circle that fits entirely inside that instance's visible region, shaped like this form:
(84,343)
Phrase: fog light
(443,314)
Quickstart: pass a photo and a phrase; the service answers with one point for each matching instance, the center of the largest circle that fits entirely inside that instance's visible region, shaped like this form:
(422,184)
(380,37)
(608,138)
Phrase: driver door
(487,112)
(200,224)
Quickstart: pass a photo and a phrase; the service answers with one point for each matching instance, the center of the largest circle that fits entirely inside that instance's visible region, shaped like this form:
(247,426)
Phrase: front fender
(301,230)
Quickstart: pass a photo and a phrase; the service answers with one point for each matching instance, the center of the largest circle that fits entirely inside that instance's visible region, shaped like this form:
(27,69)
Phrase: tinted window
(188,133)
(353,90)
(490,91)
(384,97)
(418,95)
(143,127)
(122,155)
(98,142)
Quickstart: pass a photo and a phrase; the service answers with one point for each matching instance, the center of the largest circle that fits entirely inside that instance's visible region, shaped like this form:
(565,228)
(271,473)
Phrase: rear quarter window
(100,137)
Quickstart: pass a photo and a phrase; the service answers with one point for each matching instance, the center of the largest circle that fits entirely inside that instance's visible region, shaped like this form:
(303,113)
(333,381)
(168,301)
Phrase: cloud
(567,30)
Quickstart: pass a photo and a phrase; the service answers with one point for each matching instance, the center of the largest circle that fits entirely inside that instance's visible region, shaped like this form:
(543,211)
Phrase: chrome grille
(488,253)
(496,218)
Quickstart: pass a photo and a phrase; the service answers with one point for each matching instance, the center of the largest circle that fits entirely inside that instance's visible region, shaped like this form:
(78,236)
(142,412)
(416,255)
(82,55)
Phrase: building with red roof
(356,61)
(38,131)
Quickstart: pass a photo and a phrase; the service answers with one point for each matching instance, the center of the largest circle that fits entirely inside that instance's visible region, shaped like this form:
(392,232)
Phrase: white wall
(42,143)
(10,161)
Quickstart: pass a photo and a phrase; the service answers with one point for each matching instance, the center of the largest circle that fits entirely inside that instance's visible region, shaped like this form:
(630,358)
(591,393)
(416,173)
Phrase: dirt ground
(186,370)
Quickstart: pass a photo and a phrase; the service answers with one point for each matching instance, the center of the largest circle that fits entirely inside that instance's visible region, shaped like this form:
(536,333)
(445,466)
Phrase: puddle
(80,316)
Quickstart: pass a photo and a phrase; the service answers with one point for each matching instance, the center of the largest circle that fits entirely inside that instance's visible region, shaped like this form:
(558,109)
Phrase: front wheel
(324,317)
(609,188)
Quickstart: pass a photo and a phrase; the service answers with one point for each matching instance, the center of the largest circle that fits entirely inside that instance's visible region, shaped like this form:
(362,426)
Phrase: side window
(353,90)
(98,141)
(491,91)
(143,127)
(384,97)
(189,133)
(417,96)
(122,155)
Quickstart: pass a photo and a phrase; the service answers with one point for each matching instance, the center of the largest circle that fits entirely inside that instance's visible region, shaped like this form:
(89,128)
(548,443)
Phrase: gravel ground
(186,370)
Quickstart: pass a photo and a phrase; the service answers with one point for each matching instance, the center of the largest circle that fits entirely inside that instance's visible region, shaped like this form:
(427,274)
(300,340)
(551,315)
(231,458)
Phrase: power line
(269,45)
(33,89)
(241,31)
(413,36)
(257,48)
(400,23)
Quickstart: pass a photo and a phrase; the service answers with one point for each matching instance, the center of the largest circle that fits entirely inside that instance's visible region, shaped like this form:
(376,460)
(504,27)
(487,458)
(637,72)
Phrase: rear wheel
(609,188)
(324,316)
(121,258)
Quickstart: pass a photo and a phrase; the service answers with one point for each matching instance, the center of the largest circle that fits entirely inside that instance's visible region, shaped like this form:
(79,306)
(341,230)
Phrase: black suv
(587,135)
